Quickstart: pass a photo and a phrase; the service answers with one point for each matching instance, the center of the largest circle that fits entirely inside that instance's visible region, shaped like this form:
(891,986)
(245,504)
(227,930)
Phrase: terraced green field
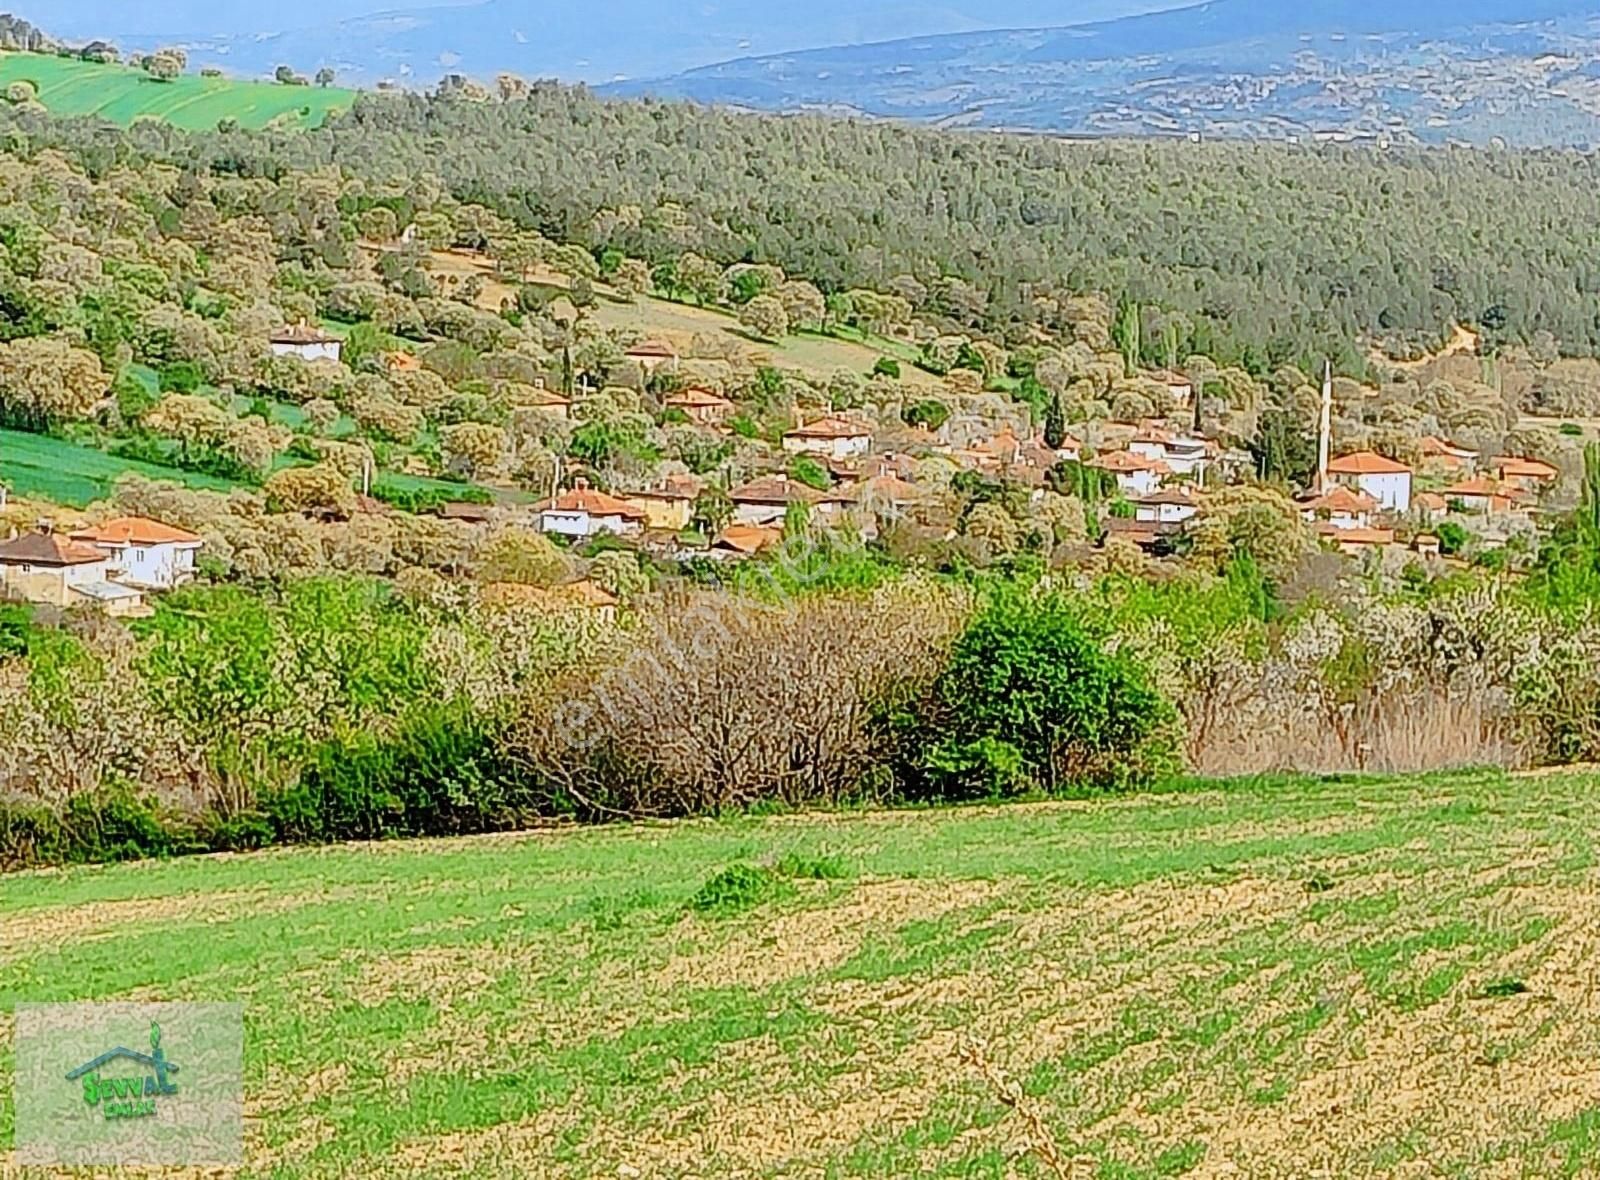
(122,94)
(1374,978)
(37,467)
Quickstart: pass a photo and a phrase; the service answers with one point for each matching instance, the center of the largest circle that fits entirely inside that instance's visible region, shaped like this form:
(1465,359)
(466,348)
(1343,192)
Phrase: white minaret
(1325,433)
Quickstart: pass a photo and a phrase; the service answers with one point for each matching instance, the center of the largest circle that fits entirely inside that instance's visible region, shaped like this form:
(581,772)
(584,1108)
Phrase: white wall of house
(584,524)
(324,351)
(153,567)
(830,448)
(1163,513)
(1392,492)
(1138,483)
(758,513)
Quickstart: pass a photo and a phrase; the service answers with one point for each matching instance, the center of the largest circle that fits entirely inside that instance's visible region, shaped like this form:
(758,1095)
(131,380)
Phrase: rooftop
(1367,463)
(135,530)
(583,498)
(42,548)
(830,427)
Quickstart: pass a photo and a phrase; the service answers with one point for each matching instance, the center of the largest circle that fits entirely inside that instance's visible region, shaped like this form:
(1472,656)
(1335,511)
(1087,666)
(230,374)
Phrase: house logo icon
(126,1097)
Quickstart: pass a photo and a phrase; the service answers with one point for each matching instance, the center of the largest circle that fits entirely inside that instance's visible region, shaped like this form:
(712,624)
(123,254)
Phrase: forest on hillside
(1262,254)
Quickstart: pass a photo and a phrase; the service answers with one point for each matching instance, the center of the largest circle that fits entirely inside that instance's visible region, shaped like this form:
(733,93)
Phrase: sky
(94,18)
(84,19)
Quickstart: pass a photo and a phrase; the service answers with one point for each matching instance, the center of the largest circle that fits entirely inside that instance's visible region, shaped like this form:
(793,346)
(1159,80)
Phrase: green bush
(439,775)
(887,366)
(1032,700)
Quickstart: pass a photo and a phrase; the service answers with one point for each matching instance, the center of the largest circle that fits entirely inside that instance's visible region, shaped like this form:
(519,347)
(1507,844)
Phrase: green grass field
(122,94)
(38,467)
(1372,978)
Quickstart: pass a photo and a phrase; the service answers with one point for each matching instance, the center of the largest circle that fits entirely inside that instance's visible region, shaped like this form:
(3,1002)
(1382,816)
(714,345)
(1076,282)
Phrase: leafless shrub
(725,703)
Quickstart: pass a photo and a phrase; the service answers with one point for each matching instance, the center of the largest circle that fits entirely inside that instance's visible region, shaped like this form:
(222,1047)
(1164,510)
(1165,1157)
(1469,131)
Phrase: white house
(45,568)
(1530,475)
(1341,507)
(1386,481)
(1136,475)
(585,512)
(1184,454)
(1487,496)
(766,501)
(308,343)
(143,552)
(831,438)
(1169,506)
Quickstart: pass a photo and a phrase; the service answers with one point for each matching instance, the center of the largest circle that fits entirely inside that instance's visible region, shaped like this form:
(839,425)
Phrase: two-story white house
(1184,454)
(1385,480)
(1136,475)
(586,512)
(46,568)
(143,552)
(829,438)
(1168,506)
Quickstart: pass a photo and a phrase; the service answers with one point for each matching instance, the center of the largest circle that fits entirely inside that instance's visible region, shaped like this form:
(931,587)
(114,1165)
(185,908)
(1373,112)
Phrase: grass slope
(1383,978)
(39,467)
(122,94)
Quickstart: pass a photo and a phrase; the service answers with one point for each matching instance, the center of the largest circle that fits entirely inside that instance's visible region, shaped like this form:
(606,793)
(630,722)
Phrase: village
(836,470)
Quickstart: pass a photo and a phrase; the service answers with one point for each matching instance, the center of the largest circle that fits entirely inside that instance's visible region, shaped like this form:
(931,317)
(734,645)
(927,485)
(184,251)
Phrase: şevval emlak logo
(129,1097)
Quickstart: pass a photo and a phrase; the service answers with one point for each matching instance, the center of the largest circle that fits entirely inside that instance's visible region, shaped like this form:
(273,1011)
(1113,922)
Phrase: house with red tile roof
(1136,475)
(765,501)
(586,512)
(830,438)
(1530,475)
(653,355)
(1380,477)
(745,540)
(669,503)
(51,570)
(144,552)
(1488,496)
(701,406)
(1340,506)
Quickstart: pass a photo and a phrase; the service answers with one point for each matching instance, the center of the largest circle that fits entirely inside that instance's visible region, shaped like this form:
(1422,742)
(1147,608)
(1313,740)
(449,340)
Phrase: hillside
(67,86)
(1414,71)
(1379,978)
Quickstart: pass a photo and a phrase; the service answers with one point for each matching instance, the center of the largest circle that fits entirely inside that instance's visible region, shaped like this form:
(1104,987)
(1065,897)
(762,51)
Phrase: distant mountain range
(1401,71)
(1523,71)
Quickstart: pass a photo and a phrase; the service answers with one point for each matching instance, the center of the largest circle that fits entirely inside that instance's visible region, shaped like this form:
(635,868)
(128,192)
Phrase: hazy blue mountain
(1400,70)
(598,40)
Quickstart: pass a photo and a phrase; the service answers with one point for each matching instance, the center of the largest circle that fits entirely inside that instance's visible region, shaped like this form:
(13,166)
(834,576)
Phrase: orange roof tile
(1511,467)
(1339,498)
(583,498)
(1125,462)
(135,530)
(1367,463)
(697,399)
(747,538)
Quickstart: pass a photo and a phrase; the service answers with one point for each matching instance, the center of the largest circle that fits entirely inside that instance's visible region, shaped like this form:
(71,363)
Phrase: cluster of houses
(113,565)
(1357,502)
